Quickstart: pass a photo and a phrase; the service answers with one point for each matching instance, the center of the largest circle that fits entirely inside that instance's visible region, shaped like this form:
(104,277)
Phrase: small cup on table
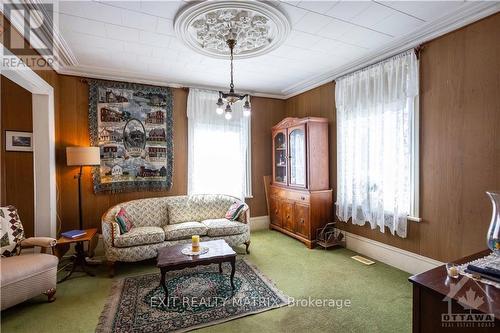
(452,270)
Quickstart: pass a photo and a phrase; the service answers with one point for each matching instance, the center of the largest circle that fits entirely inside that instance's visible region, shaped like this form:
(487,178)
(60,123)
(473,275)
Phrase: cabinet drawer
(290,195)
(275,213)
(287,215)
(301,216)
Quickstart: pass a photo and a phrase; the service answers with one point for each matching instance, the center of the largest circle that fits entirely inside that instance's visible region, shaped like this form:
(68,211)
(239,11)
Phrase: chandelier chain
(231,46)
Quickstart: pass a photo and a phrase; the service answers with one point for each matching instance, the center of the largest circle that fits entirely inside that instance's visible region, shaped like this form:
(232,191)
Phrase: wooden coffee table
(171,259)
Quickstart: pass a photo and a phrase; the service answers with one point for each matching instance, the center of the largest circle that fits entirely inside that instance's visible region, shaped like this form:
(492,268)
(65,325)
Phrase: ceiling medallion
(205,27)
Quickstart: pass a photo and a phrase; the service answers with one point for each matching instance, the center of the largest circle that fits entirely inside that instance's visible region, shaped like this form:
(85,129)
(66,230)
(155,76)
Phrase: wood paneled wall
(460,143)
(73,130)
(17,167)
(266,112)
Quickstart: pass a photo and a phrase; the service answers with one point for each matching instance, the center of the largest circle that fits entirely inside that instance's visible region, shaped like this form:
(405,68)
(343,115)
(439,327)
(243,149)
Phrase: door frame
(44,162)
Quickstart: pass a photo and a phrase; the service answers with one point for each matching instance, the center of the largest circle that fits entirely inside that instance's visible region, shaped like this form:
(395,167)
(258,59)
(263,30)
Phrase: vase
(493,237)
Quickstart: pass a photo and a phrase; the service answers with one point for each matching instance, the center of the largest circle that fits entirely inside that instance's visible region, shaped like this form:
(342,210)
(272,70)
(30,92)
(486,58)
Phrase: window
(377,144)
(219,150)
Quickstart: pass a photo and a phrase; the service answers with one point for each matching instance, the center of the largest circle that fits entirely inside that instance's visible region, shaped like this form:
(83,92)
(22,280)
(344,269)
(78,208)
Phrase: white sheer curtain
(218,149)
(375,118)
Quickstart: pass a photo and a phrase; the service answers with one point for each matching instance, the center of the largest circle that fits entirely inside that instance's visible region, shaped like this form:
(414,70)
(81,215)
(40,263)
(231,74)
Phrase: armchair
(24,275)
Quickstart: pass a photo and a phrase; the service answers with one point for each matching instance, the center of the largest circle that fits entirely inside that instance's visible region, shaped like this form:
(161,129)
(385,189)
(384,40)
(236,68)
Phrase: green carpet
(380,295)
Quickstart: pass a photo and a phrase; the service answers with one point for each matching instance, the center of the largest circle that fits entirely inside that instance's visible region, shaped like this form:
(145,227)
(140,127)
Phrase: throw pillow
(234,211)
(11,231)
(123,221)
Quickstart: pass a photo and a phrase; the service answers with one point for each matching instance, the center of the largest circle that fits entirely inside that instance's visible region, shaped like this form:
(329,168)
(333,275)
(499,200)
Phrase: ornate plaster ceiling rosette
(257,27)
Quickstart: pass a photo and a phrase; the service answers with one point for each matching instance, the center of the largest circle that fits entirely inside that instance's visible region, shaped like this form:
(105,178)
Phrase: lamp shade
(83,156)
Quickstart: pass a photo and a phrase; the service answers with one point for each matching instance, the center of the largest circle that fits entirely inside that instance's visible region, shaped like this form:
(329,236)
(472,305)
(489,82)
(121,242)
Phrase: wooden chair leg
(51,295)
(247,245)
(111,268)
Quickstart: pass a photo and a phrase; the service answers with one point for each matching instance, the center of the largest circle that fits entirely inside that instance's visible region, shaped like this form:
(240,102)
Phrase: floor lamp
(81,156)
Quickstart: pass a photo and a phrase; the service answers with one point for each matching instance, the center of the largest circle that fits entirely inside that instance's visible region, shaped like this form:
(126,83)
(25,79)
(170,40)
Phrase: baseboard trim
(404,260)
(259,223)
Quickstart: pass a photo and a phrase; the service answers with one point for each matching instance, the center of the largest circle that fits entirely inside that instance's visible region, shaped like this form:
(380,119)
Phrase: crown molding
(67,63)
(106,74)
(458,19)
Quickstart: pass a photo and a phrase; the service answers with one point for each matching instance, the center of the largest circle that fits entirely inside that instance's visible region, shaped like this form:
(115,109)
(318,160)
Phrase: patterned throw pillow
(234,211)
(11,230)
(123,221)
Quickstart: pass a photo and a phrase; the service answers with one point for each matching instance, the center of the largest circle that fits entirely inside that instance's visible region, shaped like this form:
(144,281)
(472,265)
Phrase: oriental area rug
(198,297)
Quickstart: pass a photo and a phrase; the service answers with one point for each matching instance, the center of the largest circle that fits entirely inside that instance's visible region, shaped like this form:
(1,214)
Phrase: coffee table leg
(163,284)
(233,268)
(220,267)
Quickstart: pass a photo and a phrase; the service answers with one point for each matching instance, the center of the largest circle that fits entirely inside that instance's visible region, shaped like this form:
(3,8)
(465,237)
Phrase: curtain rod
(417,49)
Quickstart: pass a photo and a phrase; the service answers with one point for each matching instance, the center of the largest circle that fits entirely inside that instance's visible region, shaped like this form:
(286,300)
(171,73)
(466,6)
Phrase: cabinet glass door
(297,158)
(280,160)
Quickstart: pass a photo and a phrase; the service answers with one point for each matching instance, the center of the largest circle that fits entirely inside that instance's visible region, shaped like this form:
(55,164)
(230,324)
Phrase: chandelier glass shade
(229,98)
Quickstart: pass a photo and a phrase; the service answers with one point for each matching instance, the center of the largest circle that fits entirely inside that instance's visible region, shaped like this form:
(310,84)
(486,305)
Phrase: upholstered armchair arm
(43,242)
(39,241)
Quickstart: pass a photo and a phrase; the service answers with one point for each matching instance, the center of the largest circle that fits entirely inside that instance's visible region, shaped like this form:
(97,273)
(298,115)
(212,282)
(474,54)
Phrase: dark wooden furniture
(300,198)
(79,257)
(170,259)
(432,311)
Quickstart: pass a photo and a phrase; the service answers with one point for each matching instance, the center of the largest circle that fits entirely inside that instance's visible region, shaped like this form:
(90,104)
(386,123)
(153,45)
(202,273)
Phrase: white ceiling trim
(458,19)
(68,64)
(96,73)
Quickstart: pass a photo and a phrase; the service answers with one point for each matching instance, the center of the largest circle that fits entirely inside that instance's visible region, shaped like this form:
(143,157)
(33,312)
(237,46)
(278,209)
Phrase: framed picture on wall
(18,141)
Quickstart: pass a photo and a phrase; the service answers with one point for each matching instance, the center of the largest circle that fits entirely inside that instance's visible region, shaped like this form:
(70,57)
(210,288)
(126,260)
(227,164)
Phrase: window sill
(414,219)
(409,218)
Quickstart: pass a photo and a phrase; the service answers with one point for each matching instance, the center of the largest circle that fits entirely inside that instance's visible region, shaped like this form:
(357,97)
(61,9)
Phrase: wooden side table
(437,307)
(79,258)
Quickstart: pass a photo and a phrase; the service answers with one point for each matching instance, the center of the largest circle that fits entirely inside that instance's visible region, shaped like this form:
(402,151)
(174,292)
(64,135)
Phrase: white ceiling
(135,40)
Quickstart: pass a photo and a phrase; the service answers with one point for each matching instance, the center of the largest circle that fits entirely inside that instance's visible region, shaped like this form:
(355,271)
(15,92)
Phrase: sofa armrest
(110,231)
(110,228)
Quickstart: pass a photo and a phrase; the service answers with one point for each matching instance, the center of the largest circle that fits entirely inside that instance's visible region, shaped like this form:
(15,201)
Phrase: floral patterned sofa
(165,221)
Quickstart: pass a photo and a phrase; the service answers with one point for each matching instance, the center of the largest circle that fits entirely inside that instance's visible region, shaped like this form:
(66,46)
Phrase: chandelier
(231,97)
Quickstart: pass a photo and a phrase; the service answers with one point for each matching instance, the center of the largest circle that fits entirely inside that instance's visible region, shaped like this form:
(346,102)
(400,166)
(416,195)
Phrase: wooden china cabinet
(300,198)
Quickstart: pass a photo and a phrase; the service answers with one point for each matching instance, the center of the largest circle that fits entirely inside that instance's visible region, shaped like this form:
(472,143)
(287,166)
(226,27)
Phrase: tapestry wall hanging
(132,126)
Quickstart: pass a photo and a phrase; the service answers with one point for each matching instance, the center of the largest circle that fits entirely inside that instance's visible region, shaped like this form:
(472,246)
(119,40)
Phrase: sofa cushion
(224,227)
(235,210)
(25,266)
(140,236)
(180,212)
(184,230)
(151,212)
(198,207)
(123,221)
